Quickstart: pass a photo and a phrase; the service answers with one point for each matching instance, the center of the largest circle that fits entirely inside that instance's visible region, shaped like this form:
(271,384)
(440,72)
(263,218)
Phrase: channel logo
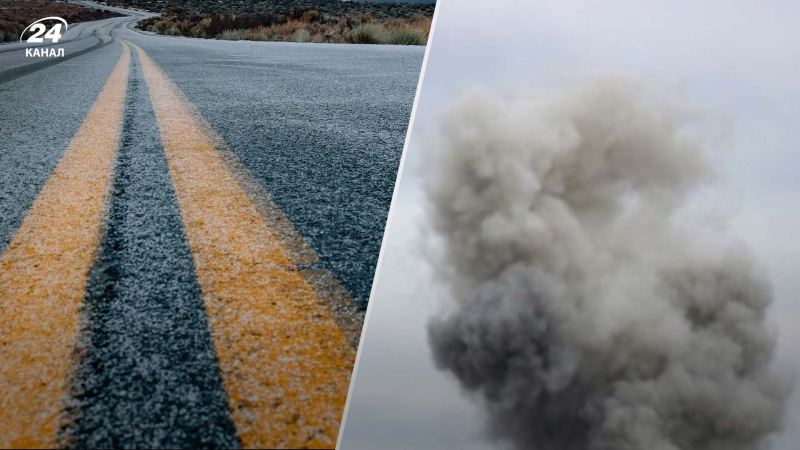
(38,29)
(37,33)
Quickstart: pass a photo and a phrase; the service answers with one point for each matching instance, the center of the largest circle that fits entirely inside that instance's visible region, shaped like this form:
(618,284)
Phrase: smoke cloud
(590,312)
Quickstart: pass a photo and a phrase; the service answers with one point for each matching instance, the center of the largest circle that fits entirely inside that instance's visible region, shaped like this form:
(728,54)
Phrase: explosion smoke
(588,314)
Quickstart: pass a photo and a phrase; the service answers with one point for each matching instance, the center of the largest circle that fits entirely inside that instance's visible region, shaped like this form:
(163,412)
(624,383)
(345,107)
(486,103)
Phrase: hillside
(378,10)
(395,1)
(290,20)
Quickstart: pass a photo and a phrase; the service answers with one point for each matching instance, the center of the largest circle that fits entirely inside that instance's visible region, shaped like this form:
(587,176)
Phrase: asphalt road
(186,228)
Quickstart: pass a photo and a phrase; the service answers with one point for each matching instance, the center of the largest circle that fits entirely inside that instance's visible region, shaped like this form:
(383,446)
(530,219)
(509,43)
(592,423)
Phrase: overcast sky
(736,60)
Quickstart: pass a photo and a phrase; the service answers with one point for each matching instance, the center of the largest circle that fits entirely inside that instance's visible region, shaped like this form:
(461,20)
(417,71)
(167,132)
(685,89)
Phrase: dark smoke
(589,313)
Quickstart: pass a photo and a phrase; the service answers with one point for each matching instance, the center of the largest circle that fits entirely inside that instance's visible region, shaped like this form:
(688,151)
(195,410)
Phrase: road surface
(186,228)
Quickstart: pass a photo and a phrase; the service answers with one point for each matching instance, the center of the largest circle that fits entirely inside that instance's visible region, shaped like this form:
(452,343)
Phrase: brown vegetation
(290,20)
(15,15)
(297,26)
(186,9)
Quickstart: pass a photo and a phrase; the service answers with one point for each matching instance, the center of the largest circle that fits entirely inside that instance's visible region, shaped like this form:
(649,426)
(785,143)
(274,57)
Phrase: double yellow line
(285,363)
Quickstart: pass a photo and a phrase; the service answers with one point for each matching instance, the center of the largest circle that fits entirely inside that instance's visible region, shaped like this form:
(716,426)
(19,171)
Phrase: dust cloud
(590,311)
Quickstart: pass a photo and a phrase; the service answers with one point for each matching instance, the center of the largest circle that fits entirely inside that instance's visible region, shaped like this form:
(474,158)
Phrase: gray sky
(736,61)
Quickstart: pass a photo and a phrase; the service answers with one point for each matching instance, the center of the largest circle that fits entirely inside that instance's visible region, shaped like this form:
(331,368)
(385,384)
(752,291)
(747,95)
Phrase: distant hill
(395,1)
(357,22)
(378,9)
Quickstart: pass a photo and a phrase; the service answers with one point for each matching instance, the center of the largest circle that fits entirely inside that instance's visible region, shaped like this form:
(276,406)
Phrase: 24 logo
(38,29)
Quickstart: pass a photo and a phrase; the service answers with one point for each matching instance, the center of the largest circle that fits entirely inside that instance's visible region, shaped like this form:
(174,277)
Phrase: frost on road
(187,245)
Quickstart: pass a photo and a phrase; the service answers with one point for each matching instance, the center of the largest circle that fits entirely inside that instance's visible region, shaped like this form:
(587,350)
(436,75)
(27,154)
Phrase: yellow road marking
(286,365)
(43,275)
(323,282)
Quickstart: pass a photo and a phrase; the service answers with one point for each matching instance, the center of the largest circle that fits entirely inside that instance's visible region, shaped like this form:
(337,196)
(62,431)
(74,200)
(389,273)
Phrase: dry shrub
(423,23)
(257,34)
(230,35)
(201,29)
(408,35)
(421,20)
(395,23)
(285,31)
(301,35)
(300,26)
(310,16)
(159,26)
(369,33)
(342,24)
(365,18)
(198,32)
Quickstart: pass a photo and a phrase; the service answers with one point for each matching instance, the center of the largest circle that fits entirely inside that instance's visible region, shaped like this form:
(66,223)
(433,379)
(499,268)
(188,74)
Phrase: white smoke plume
(588,313)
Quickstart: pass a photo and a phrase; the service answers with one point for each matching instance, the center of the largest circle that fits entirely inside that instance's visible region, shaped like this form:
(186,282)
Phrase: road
(188,231)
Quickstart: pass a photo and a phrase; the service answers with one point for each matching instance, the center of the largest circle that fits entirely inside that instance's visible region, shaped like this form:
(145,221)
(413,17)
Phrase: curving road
(187,228)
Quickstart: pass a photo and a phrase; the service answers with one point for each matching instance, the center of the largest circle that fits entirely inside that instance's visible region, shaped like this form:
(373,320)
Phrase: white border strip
(389,220)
